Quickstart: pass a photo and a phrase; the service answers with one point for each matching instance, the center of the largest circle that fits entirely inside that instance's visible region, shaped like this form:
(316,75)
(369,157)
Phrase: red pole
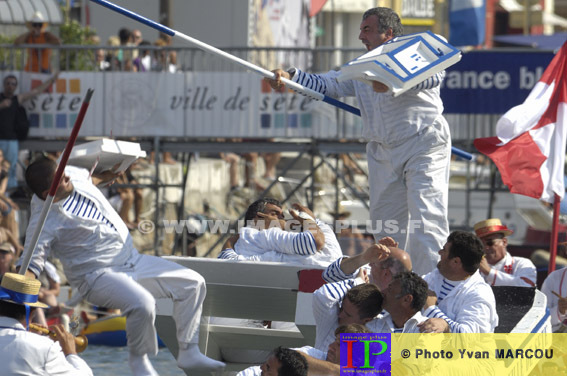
(554,232)
(28,253)
(70,143)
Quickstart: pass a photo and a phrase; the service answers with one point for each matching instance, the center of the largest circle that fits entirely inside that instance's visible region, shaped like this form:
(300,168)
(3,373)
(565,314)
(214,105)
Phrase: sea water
(113,361)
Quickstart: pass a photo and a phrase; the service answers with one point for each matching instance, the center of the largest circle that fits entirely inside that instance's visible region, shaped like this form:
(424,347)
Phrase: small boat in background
(108,331)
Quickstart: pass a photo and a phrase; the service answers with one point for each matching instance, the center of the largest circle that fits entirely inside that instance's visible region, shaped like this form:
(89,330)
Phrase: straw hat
(19,289)
(37,17)
(491,226)
(7,247)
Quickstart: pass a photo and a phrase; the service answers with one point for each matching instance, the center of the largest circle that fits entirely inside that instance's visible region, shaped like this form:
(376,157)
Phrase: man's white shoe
(191,358)
(141,365)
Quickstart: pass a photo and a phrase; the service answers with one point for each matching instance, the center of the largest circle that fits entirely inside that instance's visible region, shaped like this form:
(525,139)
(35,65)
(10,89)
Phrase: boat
(108,331)
(282,292)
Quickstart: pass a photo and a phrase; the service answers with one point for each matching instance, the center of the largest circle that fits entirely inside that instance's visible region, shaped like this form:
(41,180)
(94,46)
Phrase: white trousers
(409,188)
(133,289)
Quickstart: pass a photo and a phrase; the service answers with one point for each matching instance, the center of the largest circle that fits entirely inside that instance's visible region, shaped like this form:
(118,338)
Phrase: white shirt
(327,301)
(512,271)
(25,353)
(250,371)
(384,324)
(386,119)
(277,245)
(470,307)
(556,282)
(51,272)
(84,242)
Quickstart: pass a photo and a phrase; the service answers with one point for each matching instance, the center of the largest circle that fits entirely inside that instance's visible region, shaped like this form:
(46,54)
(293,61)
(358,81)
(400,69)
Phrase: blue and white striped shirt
(81,206)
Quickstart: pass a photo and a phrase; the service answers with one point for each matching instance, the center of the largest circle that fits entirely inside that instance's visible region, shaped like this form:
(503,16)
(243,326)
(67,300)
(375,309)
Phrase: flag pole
(554,233)
(28,253)
(246,64)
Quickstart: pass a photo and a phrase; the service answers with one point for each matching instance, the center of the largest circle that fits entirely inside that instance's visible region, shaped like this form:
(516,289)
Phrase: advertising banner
(488,82)
(203,104)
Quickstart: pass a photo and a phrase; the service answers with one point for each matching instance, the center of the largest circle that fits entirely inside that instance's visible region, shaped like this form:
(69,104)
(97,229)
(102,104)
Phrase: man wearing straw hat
(498,267)
(25,353)
(100,260)
(38,59)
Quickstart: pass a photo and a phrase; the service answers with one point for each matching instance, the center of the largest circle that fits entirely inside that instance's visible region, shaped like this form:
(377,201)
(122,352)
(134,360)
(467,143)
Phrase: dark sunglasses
(35,24)
(491,242)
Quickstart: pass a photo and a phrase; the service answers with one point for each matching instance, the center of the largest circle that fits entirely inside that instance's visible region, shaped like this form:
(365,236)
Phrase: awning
(18,12)
(543,42)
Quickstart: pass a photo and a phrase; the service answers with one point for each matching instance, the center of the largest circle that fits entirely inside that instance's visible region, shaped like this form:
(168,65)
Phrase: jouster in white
(408,150)
(100,261)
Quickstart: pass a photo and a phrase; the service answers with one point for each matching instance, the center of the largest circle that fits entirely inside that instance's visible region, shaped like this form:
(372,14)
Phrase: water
(113,361)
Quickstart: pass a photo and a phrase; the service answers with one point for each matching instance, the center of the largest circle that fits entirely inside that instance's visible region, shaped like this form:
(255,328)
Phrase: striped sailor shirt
(83,231)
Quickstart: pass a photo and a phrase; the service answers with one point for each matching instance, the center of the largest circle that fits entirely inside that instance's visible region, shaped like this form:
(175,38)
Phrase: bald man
(385,260)
(382,269)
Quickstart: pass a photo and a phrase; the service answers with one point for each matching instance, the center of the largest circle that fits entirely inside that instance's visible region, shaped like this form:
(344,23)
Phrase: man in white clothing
(318,362)
(268,237)
(403,300)
(409,147)
(498,267)
(460,300)
(340,303)
(555,288)
(26,353)
(100,261)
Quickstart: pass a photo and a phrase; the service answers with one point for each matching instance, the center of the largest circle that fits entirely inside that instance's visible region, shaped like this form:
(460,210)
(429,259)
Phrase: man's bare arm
(317,367)
(374,253)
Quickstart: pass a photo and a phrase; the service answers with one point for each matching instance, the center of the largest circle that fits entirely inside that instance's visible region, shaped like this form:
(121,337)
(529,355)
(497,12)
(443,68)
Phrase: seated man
(498,267)
(555,288)
(460,300)
(403,300)
(265,237)
(406,296)
(328,363)
(385,260)
(281,362)
(26,353)
(342,303)
(318,362)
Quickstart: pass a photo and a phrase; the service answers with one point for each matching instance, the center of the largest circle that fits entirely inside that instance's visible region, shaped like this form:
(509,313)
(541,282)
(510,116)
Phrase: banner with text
(204,104)
(491,82)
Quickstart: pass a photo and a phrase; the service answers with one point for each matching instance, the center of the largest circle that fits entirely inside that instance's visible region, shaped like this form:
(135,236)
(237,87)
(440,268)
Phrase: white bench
(248,290)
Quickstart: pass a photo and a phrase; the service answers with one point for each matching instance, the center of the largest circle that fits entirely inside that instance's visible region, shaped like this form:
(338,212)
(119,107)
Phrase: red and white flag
(529,147)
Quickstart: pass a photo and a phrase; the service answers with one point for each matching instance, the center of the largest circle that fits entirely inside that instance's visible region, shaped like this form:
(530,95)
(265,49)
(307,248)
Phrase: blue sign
(491,82)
